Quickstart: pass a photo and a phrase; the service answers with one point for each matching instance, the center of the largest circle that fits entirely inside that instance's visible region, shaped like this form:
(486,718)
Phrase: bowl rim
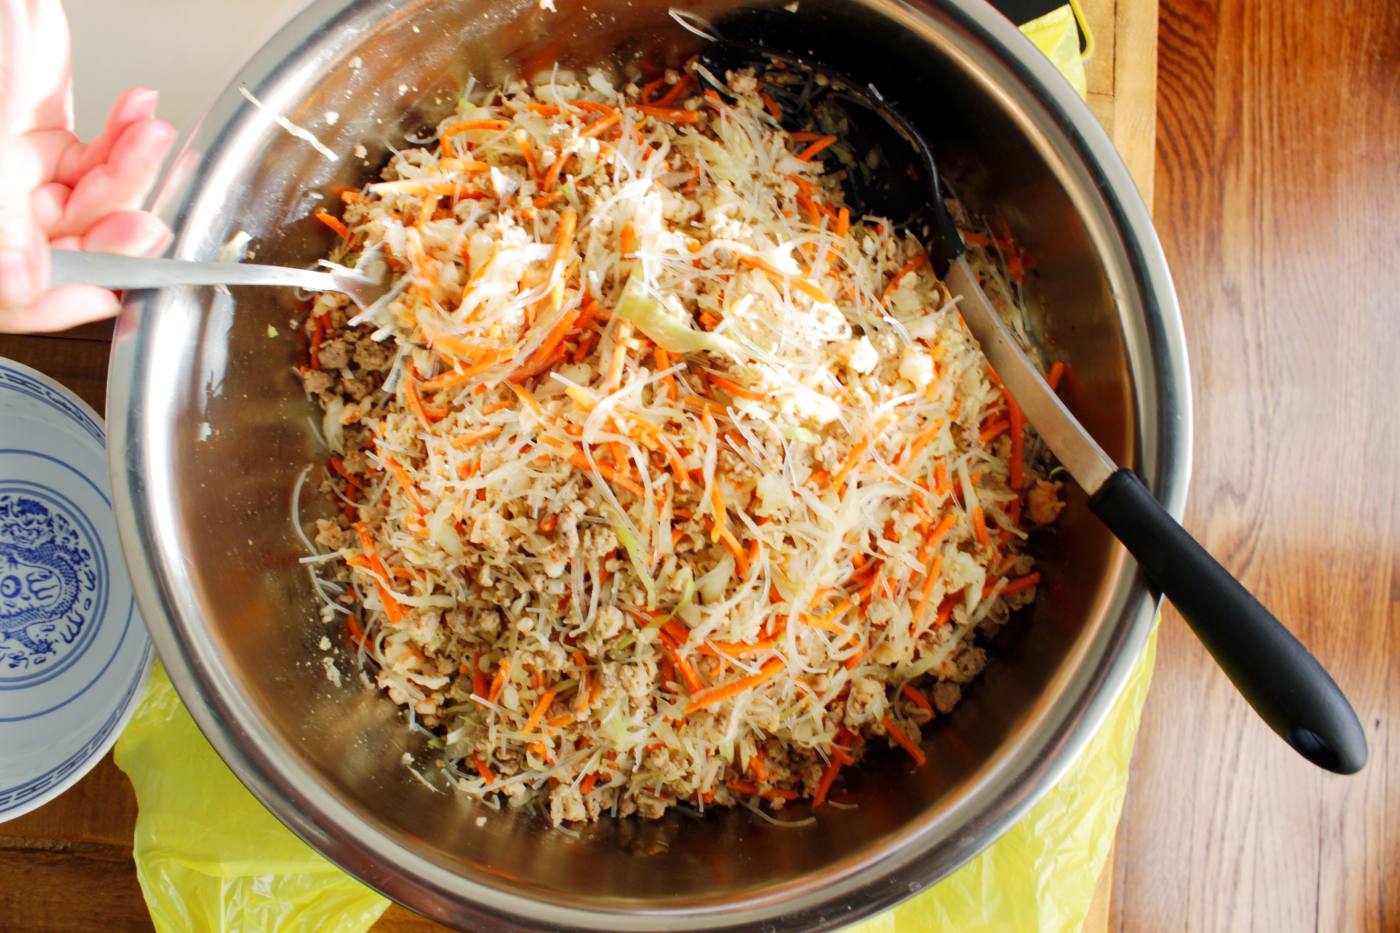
(904,864)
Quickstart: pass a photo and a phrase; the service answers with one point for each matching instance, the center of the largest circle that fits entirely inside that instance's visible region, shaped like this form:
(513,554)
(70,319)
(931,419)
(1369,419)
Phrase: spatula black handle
(1285,684)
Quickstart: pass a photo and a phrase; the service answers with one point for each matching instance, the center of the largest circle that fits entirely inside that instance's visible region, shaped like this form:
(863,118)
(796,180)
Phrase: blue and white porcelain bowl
(74,654)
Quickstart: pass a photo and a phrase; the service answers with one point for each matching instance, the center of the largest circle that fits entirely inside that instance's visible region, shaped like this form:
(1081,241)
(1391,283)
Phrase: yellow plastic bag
(210,857)
(1057,35)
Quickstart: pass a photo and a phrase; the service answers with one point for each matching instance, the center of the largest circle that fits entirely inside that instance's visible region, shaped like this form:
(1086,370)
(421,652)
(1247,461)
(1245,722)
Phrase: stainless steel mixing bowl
(210,429)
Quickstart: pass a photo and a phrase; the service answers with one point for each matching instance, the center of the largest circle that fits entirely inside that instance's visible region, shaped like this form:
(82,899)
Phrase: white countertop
(188,50)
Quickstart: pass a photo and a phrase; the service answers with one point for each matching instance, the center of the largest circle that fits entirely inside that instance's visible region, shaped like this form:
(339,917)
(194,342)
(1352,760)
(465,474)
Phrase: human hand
(56,191)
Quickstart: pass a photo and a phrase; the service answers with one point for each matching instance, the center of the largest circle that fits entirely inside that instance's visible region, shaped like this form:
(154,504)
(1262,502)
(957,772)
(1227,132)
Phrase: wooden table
(1276,181)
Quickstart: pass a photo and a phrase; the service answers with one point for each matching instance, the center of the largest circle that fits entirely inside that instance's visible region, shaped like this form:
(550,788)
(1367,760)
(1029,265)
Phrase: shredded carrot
(806,155)
(1021,583)
(771,793)
(406,482)
(833,768)
(541,358)
(674,94)
(466,126)
(481,769)
(463,441)
(1057,372)
(627,240)
(903,741)
(692,680)
(586,786)
(855,659)
(735,649)
(758,766)
(917,698)
(415,403)
(357,635)
(335,224)
(524,395)
(769,104)
(670,115)
(741,560)
(650,88)
(918,444)
(908,267)
(536,714)
(732,387)
(495,407)
(551,175)
(851,460)
(719,511)
(673,460)
(979,524)
(813,209)
(802,285)
(993,429)
(392,609)
(577,459)
(523,142)
(943,527)
(931,575)
(724,691)
(599,126)
(828,622)
(663,363)
(544,110)
(563,236)
(940,479)
(498,681)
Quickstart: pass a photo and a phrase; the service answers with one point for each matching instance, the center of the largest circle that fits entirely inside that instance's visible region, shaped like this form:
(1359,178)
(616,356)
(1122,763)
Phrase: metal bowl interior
(210,430)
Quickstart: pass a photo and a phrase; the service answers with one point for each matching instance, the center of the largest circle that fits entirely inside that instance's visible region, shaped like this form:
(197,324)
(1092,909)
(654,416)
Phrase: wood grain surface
(1278,141)
(1278,183)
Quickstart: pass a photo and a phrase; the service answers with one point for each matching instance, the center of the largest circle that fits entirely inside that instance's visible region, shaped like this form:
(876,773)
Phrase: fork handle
(111,271)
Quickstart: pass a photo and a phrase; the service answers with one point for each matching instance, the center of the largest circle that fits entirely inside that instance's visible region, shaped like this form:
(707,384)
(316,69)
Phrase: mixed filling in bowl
(666,480)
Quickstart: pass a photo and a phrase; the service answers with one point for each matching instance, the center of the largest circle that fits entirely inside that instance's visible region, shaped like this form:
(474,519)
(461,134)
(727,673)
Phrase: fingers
(130,233)
(60,309)
(137,105)
(19,279)
(23,307)
(47,204)
(35,66)
(122,182)
(23,258)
